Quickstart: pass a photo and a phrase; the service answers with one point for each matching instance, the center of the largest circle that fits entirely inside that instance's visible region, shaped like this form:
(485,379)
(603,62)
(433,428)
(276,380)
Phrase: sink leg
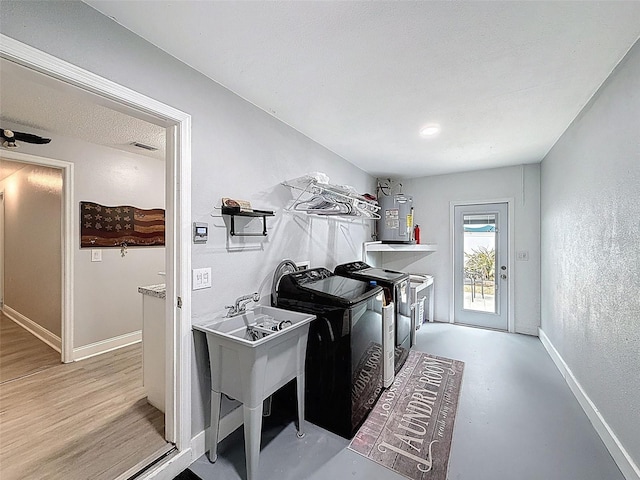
(300,392)
(212,433)
(252,432)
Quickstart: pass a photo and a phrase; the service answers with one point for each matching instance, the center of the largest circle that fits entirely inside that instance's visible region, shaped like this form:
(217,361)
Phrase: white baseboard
(528,331)
(228,424)
(32,327)
(105,346)
(198,447)
(620,455)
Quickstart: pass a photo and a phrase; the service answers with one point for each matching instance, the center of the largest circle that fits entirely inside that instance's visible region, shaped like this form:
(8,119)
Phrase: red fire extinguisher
(416,234)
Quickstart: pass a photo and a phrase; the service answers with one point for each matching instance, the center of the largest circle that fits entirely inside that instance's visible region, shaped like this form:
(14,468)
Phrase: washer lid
(284,267)
(381,274)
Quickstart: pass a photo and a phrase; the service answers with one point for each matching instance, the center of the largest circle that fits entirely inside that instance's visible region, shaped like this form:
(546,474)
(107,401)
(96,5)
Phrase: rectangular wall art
(102,226)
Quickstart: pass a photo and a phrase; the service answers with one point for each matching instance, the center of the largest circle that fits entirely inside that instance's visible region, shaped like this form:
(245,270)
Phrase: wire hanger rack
(323,199)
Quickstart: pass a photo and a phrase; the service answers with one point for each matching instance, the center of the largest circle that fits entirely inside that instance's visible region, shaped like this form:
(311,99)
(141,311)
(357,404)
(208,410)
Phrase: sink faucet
(240,305)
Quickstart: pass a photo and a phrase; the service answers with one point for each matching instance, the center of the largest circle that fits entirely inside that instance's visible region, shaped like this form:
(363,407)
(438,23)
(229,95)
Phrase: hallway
(21,353)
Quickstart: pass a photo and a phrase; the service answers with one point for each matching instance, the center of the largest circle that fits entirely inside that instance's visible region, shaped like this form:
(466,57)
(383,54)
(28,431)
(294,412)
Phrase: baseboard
(105,346)
(228,424)
(528,331)
(32,327)
(620,455)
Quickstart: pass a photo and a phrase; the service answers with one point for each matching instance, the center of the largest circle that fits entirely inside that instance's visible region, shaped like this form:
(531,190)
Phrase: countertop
(158,291)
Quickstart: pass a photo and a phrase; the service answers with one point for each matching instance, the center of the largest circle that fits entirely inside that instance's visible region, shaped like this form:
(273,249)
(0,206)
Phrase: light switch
(96,255)
(201,278)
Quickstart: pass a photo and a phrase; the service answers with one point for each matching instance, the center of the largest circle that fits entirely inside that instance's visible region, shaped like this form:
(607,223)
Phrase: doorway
(1,248)
(178,262)
(481,254)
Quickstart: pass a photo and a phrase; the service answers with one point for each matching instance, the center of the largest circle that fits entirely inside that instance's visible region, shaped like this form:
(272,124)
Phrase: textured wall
(432,197)
(238,151)
(590,208)
(32,245)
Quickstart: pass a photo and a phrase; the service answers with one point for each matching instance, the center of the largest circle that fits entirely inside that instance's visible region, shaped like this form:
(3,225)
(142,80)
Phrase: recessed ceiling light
(430,130)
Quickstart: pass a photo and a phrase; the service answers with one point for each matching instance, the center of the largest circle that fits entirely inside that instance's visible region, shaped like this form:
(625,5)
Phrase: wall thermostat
(200,232)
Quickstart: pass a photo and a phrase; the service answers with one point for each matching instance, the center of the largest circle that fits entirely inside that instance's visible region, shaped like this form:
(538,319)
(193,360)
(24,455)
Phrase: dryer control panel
(306,276)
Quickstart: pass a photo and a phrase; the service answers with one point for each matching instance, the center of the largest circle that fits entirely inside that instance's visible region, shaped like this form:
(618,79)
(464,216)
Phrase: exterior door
(480,265)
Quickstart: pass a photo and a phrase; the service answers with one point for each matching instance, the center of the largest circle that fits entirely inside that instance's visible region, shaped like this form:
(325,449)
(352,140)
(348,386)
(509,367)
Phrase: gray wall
(590,206)
(238,151)
(432,197)
(32,245)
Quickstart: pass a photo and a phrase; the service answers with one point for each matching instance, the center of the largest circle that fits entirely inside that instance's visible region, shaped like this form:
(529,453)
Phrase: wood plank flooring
(21,353)
(78,421)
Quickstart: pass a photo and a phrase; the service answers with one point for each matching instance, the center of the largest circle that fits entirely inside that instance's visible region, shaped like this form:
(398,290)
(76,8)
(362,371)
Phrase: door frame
(178,194)
(66,168)
(1,249)
(510,201)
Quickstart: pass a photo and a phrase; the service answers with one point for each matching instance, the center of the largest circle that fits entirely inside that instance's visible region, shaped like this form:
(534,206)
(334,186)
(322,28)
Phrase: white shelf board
(399,247)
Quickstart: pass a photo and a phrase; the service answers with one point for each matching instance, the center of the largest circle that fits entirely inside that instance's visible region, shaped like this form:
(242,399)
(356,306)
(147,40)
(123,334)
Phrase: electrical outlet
(201,278)
(522,256)
(96,255)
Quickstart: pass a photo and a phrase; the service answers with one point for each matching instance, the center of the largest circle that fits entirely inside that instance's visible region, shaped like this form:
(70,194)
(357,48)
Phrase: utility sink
(257,326)
(251,356)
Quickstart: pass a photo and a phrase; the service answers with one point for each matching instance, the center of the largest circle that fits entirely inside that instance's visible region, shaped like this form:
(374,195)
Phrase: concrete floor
(517,419)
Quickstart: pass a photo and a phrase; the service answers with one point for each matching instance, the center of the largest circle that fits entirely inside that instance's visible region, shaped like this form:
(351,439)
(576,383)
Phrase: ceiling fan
(10,138)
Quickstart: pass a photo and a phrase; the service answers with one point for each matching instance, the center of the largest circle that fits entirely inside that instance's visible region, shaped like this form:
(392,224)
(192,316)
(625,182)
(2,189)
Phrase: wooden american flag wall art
(124,225)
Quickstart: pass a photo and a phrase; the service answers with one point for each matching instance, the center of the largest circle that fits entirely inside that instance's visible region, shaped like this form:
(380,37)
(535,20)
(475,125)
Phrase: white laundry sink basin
(249,361)
(257,326)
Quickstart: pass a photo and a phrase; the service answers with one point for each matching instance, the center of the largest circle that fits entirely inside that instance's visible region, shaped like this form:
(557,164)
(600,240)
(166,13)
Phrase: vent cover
(143,146)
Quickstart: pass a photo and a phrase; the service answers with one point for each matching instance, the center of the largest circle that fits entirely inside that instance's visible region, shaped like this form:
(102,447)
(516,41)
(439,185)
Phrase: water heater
(396,218)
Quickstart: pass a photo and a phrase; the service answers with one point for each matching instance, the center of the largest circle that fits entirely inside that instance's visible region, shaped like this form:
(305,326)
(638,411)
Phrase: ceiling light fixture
(10,138)
(430,130)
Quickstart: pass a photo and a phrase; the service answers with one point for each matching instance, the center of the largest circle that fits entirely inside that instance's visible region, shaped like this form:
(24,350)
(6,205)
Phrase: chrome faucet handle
(241,304)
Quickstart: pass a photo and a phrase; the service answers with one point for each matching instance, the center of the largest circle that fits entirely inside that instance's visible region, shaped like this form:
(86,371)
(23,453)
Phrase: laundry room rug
(410,428)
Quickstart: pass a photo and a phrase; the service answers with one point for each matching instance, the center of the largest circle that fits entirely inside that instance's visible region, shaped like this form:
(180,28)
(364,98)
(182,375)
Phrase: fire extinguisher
(416,234)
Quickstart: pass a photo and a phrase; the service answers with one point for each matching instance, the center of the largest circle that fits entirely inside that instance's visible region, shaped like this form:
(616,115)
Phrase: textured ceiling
(503,79)
(35,101)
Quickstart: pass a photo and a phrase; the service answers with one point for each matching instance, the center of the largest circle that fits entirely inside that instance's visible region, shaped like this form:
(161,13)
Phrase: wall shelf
(236,212)
(400,247)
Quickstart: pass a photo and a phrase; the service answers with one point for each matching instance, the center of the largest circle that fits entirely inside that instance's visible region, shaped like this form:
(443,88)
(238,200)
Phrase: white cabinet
(153,343)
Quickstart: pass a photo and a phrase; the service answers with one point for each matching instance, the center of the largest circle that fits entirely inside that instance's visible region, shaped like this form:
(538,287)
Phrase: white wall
(590,206)
(106,299)
(238,150)
(32,245)
(432,197)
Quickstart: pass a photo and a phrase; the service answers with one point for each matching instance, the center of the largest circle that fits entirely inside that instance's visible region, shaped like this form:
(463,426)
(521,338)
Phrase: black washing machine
(343,371)
(397,287)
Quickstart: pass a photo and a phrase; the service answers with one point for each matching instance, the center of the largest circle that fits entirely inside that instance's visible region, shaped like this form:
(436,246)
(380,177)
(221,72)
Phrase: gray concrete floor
(516,420)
